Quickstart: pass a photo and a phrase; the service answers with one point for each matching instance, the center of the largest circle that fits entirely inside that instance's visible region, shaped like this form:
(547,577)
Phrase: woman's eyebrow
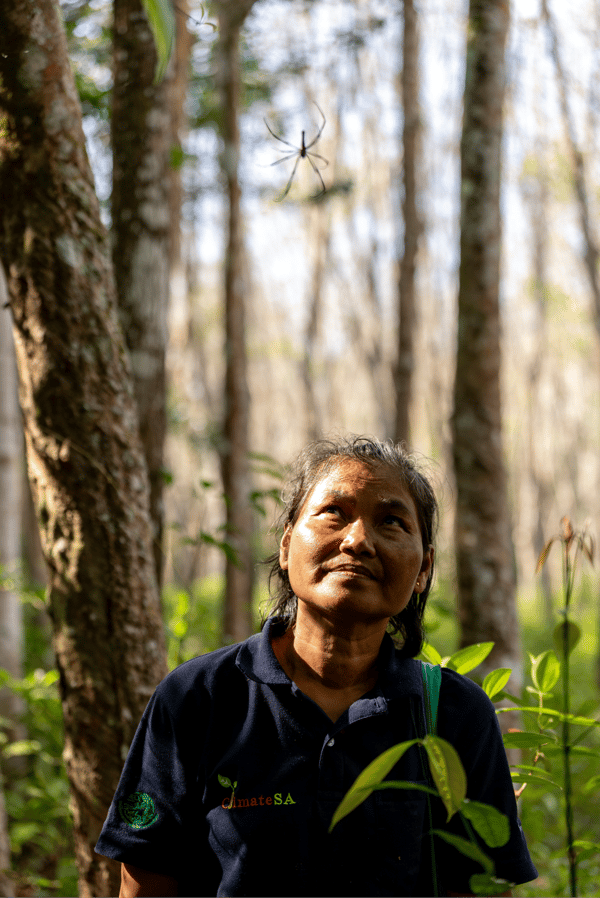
(392,504)
(338,496)
(386,503)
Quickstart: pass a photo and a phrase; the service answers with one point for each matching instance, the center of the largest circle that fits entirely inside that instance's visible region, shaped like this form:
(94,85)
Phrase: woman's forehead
(349,475)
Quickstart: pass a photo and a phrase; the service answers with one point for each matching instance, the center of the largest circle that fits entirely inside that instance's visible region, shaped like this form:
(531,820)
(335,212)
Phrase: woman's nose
(358,539)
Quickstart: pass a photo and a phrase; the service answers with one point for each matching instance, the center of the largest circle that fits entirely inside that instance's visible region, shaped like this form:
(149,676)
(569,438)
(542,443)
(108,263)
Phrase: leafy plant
(37,804)
(542,740)
(449,777)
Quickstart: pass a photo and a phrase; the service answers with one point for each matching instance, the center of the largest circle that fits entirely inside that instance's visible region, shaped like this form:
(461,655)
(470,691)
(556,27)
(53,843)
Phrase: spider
(301,152)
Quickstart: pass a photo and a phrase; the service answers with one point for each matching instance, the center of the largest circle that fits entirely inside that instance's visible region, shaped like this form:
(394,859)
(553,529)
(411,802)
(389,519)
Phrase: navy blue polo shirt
(234,775)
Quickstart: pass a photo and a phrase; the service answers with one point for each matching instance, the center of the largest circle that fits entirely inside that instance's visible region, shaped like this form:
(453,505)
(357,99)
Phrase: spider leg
(280,139)
(289,183)
(284,158)
(317,156)
(318,174)
(319,132)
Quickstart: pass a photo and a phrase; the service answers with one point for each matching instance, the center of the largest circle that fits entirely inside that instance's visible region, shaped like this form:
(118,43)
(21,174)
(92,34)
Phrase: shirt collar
(397,676)
(256,659)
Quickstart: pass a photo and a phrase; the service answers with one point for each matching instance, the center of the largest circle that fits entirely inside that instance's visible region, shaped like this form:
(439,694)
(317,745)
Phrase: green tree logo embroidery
(138,811)
(227,784)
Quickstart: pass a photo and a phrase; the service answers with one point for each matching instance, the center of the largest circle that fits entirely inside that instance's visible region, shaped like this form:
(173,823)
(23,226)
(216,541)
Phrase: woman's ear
(425,572)
(284,547)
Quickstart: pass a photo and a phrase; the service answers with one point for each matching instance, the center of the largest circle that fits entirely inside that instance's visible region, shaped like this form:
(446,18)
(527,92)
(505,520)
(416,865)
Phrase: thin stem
(569,571)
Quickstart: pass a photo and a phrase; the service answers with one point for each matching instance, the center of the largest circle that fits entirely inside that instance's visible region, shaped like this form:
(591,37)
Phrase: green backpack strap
(432,681)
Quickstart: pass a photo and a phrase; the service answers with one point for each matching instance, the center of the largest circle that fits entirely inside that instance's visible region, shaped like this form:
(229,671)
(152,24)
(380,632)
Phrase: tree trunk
(591,251)
(11,616)
(11,443)
(85,459)
(405,363)
(486,580)
(536,195)
(141,143)
(235,461)
(319,219)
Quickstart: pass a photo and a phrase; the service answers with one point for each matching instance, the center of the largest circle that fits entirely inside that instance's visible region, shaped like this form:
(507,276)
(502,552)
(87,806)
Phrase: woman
(243,754)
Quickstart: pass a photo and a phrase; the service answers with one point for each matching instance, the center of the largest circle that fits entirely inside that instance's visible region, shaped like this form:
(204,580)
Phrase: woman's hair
(314,463)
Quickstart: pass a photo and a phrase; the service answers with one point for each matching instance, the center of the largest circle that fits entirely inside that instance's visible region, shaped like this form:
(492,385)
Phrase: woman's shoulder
(200,675)
(463,703)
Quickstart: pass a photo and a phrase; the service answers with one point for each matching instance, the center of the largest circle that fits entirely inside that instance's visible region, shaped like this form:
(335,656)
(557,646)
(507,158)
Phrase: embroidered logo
(255,801)
(138,811)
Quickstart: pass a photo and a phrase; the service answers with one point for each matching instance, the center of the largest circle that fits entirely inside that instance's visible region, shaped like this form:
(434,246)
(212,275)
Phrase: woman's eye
(395,521)
(332,509)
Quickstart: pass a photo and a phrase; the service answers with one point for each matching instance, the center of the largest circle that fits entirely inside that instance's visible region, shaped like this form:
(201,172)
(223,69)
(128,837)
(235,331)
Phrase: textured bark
(141,141)
(405,363)
(178,87)
(11,452)
(235,461)
(85,459)
(486,579)
(11,615)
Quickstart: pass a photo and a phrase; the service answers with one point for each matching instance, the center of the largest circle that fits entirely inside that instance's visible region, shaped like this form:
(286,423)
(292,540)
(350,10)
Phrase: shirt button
(331,743)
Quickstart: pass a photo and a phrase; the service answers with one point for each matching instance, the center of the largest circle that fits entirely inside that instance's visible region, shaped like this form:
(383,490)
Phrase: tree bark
(235,461)
(486,580)
(141,131)
(405,363)
(11,615)
(11,480)
(85,459)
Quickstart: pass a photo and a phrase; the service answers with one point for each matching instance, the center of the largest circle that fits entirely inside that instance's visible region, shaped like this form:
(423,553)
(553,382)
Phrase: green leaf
(580,750)
(22,747)
(469,849)
(592,785)
(525,740)
(484,884)
(22,833)
(496,680)
(545,671)
(162,22)
(535,778)
(225,781)
(371,776)
(447,771)
(431,654)
(573,636)
(490,823)
(404,784)
(469,658)
(586,849)
(552,712)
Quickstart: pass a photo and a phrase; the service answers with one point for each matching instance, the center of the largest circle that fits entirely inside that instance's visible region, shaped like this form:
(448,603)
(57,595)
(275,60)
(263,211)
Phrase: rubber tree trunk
(11,608)
(11,482)
(235,459)
(405,362)
(85,459)
(486,579)
(141,134)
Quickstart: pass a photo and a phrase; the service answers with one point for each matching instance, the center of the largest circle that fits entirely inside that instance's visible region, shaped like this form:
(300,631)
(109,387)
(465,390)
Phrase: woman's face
(356,546)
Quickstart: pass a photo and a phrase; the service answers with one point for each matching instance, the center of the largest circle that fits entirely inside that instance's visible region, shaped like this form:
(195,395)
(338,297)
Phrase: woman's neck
(332,668)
